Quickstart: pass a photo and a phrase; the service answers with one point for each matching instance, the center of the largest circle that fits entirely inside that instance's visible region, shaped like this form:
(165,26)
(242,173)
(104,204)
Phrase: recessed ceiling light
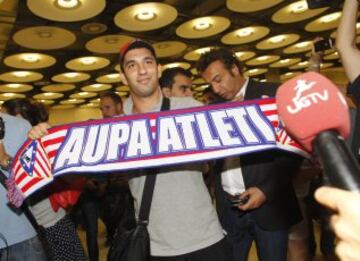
(202,24)
(44,34)
(253,70)
(113,76)
(30,58)
(95,85)
(303,63)
(67,4)
(203,50)
(71,74)
(9,94)
(111,40)
(262,58)
(13,85)
(244,32)
(302,44)
(145,15)
(21,74)
(330,17)
(277,39)
(298,7)
(88,60)
(284,61)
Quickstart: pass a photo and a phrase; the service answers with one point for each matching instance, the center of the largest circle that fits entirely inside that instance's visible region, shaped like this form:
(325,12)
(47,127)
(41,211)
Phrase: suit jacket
(271,171)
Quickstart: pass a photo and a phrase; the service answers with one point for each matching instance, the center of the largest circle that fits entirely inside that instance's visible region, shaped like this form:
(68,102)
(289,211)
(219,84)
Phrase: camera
(323,45)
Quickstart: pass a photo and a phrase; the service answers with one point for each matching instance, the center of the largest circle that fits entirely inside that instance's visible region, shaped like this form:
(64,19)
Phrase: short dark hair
(134,44)
(34,112)
(168,75)
(223,55)
(112,95)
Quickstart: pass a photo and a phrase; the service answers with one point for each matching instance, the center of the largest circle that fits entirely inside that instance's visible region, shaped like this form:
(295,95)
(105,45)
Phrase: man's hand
(38,131)
(346,222)
(256,198)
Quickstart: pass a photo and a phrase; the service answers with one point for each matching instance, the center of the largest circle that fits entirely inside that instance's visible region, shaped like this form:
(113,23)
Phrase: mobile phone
(239,201)
(323,45)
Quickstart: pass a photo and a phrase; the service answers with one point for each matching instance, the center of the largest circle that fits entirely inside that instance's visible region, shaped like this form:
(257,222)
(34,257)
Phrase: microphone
(315,113)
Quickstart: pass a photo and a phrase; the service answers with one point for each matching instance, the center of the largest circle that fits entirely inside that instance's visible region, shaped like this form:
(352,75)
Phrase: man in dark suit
(266,205)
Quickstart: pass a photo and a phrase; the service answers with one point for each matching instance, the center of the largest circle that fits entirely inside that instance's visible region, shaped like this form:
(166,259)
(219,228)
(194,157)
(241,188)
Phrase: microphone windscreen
(310,104)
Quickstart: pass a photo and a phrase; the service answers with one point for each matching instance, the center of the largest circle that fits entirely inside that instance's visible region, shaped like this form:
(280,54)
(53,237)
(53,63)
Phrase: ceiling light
(277,39)
(358,26)
(284,61)
(330,17)
(302,44)
(202,24)
(145,15)
(44,34)
(13,85)
(298,7)
(263,80)
(262,58)
(244,32)
(21,74)
(253,70)
(88,60)
(203,50)
(83,93)
(67,4)
(71,74)
(30,58)
(113,76)
(239,54)
(289,74)
(111,40)
(9,94)
(303,63)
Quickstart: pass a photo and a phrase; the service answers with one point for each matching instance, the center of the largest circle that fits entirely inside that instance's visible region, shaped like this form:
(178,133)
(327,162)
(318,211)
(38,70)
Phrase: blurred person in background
(59,233)
(176,82)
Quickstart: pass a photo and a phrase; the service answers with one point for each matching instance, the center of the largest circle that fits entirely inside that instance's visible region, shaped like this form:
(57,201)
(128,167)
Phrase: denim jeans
(242,230)
(28,250)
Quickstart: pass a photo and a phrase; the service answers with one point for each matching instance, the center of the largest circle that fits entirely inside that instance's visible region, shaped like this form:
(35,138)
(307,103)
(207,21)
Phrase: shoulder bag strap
(150,181)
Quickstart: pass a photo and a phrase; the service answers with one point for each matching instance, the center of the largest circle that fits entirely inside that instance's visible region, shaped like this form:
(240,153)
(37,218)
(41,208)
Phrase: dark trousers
(220,251)
(89,205)
(271,245)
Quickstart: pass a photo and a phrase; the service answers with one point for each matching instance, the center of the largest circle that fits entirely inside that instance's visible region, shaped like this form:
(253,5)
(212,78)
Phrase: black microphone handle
(340,165)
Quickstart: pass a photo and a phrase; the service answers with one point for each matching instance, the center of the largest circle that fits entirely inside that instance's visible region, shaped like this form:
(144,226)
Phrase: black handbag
(134,245)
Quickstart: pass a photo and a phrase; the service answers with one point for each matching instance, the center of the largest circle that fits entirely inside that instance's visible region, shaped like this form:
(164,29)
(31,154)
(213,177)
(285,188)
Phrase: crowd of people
(263,197)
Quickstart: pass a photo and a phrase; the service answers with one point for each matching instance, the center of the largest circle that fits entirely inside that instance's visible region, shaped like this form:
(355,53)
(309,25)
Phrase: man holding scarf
(183,224)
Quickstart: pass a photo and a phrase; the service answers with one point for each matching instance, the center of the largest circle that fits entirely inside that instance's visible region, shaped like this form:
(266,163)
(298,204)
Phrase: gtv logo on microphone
(302,101)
